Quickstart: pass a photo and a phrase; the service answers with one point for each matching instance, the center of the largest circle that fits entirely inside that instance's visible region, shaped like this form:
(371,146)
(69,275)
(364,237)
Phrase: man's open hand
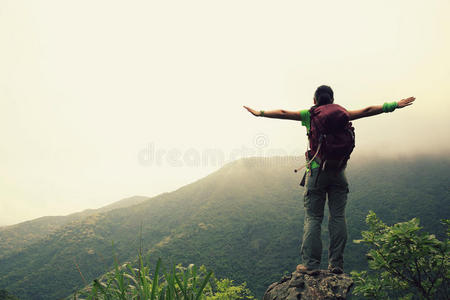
(405,102)
(252,111)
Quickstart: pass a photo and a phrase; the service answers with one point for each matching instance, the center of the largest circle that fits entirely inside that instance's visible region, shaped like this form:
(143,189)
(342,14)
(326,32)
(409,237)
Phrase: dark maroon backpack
(331,136)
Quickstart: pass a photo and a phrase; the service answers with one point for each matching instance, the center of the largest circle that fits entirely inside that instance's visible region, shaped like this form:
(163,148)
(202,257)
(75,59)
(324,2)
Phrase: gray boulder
(325,285)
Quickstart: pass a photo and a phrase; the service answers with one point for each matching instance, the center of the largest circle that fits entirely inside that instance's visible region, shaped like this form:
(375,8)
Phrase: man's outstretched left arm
(378,109)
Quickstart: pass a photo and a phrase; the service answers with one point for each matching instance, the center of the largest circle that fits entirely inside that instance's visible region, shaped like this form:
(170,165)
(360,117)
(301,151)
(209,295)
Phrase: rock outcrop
(325,285)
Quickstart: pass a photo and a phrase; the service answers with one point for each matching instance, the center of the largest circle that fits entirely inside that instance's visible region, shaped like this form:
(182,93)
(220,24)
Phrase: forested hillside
(16,237)
(243,221)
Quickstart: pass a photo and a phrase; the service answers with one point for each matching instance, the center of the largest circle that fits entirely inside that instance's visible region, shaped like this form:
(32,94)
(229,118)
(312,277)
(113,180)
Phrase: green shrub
(404,262)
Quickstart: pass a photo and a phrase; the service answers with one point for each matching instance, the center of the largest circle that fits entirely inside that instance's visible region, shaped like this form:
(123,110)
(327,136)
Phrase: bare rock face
(325,285)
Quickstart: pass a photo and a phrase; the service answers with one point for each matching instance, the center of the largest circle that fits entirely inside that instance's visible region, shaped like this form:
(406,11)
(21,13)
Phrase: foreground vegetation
(128,282)
(404,262)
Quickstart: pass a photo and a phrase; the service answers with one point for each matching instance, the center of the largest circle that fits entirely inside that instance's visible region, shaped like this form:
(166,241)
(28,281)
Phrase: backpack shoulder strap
(312,110)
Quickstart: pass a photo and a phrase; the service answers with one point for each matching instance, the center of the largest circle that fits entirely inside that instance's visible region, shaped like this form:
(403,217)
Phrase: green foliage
(405,262)
(127,282)
(227,290)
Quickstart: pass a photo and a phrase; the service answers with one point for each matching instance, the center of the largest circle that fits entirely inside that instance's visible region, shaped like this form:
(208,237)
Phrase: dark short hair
(324,95)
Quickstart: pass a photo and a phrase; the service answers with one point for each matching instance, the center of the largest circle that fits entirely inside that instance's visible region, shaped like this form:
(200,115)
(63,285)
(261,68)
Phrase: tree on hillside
(4,295)
(404,262)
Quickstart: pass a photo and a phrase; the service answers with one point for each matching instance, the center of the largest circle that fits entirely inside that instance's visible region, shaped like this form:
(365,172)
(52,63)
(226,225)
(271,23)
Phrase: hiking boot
(335,270)
(305,270)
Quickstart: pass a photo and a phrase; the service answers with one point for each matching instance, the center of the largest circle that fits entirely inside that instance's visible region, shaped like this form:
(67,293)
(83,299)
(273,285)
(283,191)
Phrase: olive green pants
(334,184)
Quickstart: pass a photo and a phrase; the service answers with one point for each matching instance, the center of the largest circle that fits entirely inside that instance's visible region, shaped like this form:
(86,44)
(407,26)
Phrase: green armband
(390,107)
(262,113)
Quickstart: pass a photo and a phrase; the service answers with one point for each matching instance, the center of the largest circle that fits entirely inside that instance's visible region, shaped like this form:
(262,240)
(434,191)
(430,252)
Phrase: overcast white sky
(92,91)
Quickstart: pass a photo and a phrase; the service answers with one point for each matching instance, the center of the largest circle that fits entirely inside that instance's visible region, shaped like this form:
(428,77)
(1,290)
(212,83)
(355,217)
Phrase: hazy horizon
(105,100)
(292,162)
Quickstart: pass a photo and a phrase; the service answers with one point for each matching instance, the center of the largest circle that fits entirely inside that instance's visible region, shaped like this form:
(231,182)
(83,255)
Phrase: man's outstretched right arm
(276,114)
(378,109)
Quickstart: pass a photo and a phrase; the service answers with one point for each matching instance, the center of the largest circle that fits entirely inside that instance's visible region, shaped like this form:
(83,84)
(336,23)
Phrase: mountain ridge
(31,231)
(243,221)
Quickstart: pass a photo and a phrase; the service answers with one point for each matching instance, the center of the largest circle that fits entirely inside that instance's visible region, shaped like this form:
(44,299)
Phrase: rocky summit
(325,285)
